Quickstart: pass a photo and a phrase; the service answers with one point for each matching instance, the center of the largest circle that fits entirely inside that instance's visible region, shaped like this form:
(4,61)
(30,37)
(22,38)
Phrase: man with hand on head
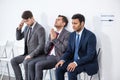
(34,42)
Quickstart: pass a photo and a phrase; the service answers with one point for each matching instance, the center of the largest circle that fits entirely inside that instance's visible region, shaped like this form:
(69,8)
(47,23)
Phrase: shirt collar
(59,31)
(80,33)
(33,25)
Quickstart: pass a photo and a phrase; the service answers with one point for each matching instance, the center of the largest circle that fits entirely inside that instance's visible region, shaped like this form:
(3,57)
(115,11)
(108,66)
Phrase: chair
(98,65)
(49,71)
(6,54)
(85,76)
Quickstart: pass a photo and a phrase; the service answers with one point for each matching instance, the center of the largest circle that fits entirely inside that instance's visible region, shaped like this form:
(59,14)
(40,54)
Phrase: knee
(38,66)
(31,65)
(58,70)
(13,61)
(25,62)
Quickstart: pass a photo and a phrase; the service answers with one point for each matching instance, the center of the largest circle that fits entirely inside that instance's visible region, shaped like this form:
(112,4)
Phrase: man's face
(28,21)
(77,26)
(59,22)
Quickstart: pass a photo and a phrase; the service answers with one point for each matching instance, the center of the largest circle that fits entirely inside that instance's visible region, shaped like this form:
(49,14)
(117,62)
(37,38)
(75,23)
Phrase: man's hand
(21,25)
(71,67)
(59,64)
(27,57)
(53,34)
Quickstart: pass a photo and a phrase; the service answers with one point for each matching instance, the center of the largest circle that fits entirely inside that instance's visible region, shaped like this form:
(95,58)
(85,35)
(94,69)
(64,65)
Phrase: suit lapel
(33,30)
(73,41)
(26,33)
(82,38)
(62,32)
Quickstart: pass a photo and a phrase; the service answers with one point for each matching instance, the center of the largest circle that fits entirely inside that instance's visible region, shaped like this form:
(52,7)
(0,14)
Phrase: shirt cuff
(75,63)
(63,60)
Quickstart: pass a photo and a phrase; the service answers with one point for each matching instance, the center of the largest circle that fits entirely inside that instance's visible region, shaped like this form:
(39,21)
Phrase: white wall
(45,12)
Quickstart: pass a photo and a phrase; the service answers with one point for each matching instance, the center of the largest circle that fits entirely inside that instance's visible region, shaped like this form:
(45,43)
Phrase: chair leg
(2,73)
(44,75)
(50,74)
(99,75)
(8,70)
(91,77)
(85,76)
(1,78)
(78,77)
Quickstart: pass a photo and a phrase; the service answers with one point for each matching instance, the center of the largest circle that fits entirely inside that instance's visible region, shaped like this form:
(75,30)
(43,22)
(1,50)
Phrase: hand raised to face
(53,34)
(21,24)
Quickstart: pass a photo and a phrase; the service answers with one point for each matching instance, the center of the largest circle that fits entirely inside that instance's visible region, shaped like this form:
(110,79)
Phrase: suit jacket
(60,44)
(36,43)
(87,51)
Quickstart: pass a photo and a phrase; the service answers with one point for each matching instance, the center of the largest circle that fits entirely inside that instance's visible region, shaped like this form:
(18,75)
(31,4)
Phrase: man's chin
(55,26)
(74,29)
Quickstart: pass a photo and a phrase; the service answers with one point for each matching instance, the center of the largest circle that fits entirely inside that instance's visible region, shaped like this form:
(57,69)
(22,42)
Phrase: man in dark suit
(54,49)
(34,36)
(80,55)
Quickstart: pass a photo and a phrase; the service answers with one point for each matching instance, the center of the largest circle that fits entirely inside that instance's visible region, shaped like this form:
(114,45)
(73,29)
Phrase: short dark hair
(64,19)
(27,14)
(79,16)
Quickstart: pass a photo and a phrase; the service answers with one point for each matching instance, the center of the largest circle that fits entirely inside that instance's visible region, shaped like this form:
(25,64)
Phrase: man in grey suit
(54,49)
(34,36)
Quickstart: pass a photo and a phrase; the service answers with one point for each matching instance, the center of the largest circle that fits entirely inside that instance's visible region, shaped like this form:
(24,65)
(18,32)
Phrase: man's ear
(64,23)
(82,23)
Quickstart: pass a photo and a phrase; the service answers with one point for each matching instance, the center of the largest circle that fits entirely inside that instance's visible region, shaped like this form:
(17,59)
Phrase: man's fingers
(57,65)
(70,68)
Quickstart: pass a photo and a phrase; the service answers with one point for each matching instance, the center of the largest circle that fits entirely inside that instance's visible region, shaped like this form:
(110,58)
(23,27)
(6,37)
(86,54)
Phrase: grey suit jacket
(36,43)
(60,44)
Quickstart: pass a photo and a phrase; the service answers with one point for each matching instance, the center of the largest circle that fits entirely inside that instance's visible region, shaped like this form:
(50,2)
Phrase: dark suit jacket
(87,51)
(60,44)
(36,43)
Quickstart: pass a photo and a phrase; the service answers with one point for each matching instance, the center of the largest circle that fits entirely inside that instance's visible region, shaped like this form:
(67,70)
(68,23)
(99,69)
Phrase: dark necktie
(52,45)
(29,34)
(76,47)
